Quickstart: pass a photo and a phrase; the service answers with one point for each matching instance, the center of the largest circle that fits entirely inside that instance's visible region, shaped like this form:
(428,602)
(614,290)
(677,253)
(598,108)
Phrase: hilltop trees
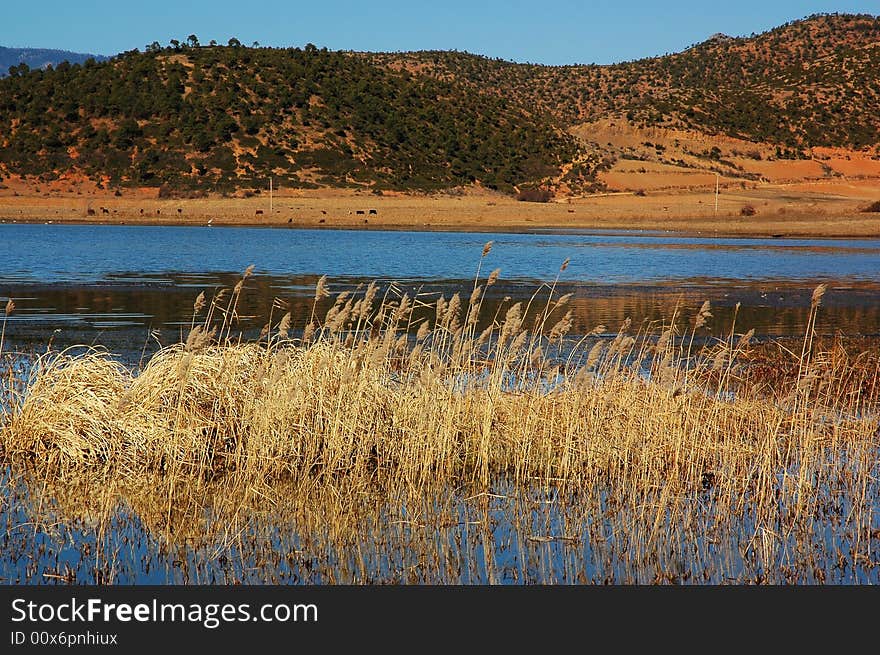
(809,83)
(226,117)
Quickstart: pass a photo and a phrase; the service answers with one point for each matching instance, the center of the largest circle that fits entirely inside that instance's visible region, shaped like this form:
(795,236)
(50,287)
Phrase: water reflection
(157,311)
(65,534)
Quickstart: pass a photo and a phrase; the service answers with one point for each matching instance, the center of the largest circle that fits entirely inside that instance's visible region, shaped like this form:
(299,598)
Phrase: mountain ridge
(41,57)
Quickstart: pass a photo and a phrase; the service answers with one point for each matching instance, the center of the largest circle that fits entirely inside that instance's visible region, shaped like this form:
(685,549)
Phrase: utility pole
(717,178)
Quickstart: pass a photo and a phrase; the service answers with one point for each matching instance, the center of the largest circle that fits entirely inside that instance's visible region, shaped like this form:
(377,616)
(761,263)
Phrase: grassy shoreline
(818,210)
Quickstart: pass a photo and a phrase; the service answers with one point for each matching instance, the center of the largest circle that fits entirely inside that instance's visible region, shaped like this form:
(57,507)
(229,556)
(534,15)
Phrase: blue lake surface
(92,253)
(82,283)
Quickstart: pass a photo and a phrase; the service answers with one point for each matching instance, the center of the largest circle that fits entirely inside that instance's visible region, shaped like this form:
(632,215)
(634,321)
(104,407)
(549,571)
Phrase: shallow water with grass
(503,535)
(550,408)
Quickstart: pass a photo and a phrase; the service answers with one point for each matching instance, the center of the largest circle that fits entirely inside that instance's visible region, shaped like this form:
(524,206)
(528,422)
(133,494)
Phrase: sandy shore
(832,209)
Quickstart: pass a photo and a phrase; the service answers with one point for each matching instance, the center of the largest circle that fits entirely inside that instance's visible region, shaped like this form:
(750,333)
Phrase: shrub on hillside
(534,195)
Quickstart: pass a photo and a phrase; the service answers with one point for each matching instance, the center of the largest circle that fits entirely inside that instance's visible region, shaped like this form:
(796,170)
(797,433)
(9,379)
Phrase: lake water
(129,287)
(101,253)
(113,284)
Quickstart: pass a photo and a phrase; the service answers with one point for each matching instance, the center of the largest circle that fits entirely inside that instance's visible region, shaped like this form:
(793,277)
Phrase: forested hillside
(219,118)
(814,82)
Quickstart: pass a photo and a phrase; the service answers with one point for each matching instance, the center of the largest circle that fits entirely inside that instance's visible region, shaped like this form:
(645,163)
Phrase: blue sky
(547,32)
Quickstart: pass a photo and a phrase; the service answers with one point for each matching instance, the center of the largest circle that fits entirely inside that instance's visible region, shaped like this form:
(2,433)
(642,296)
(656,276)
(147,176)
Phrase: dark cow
(359,211)
(179,211)
(373,212)
(90,212)
(104,210)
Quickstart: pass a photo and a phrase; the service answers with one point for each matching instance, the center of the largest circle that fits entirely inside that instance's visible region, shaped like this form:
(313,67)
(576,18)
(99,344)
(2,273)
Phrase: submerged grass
(407,394)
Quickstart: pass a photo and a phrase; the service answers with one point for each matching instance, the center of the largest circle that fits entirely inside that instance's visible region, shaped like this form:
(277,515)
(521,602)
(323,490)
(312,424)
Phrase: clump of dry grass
(406,393)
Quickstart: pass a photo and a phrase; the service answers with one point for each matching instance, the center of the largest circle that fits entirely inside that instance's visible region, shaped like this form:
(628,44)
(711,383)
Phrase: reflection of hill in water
(121,314)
